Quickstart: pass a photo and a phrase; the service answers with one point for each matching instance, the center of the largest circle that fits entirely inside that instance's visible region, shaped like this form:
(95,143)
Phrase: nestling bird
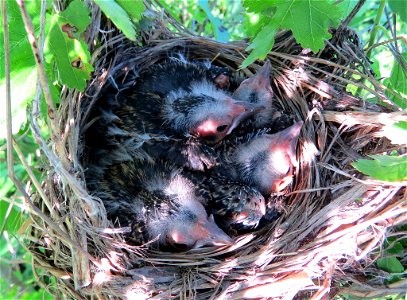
(160,204)
(263,161)
(234,204)
(257,89)
(171,109)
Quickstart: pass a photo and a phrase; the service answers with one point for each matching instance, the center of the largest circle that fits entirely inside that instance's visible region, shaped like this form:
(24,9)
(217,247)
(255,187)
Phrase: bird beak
(290,138)
(211,234)
(246,110)
(262,77)
(258,82)
(264,72)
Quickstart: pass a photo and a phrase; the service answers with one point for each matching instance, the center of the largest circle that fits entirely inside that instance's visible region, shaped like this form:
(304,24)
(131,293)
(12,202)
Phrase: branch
(346,22)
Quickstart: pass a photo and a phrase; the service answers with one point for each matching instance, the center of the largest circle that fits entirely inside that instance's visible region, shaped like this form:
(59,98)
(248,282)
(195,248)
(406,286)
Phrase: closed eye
(221,128)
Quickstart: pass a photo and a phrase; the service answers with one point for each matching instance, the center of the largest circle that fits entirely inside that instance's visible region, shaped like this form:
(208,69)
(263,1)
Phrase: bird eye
(221,128)
(181,246)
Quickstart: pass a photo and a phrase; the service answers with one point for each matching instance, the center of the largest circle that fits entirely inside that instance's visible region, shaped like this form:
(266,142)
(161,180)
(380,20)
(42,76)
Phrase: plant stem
(375,26)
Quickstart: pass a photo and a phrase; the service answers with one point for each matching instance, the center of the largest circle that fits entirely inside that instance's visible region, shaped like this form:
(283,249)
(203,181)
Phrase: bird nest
(332,221)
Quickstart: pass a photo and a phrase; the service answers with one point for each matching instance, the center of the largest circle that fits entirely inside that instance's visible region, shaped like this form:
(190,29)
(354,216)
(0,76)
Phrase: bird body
(159,204)
(263,161)
(233,204)
(171,106)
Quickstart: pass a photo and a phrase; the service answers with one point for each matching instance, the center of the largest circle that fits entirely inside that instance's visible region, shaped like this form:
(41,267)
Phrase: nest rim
(101,261)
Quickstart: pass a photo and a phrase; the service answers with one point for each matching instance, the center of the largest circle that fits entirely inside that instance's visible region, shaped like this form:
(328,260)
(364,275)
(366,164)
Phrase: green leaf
(396,249)
(8,290)
(261,45)
(398,81)
(390,264)
(23,85)
(309,22)
(62,46)
(23,69)
(172,12)
(400,8)
(346,7)
(396,133)
(14,217)
(135,9)
(119,17)
(383,167)
(21,55)
(376,67)
(257,6)
(254,27)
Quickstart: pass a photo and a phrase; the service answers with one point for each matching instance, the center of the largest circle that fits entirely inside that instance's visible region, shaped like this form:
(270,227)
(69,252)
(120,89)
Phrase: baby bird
(263,161)
(160,205)
(172,110)
(257,89)
(235,205)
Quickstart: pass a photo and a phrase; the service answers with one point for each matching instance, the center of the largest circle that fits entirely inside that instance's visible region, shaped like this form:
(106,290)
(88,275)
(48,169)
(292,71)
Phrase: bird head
(256,89)
(188,225)
(268,161)
(194,229)
(251,212)
(222,117)
(236,205)
(206,112)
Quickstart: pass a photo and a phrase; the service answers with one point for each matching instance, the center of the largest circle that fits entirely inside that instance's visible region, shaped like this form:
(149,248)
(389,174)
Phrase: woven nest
(331,221)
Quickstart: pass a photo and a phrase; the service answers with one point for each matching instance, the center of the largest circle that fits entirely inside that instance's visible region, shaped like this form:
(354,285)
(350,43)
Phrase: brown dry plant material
(332,221)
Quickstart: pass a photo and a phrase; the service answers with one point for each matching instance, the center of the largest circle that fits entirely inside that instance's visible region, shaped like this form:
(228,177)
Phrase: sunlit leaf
(261,45)
(21,55)
(119,17)
(383,167)
(135,9)
(62,46)
(390,264)
(23,85)
(11,216)
(258,6)
(309,22)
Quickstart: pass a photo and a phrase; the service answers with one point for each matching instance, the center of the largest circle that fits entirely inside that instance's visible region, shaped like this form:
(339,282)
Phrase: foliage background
(224,20)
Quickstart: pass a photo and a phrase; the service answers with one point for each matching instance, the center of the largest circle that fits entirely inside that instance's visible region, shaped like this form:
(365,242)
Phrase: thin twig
(55,131)
(34,179)
(346,22)
(402,38)
(10,158)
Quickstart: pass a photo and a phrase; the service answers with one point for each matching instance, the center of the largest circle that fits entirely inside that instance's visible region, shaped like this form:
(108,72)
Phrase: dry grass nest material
(332,220)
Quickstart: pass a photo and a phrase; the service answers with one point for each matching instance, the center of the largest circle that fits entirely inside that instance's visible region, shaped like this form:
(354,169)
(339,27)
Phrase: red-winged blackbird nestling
(159,204)
(257,89)
(263,161)
(234,204)
(171,109)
